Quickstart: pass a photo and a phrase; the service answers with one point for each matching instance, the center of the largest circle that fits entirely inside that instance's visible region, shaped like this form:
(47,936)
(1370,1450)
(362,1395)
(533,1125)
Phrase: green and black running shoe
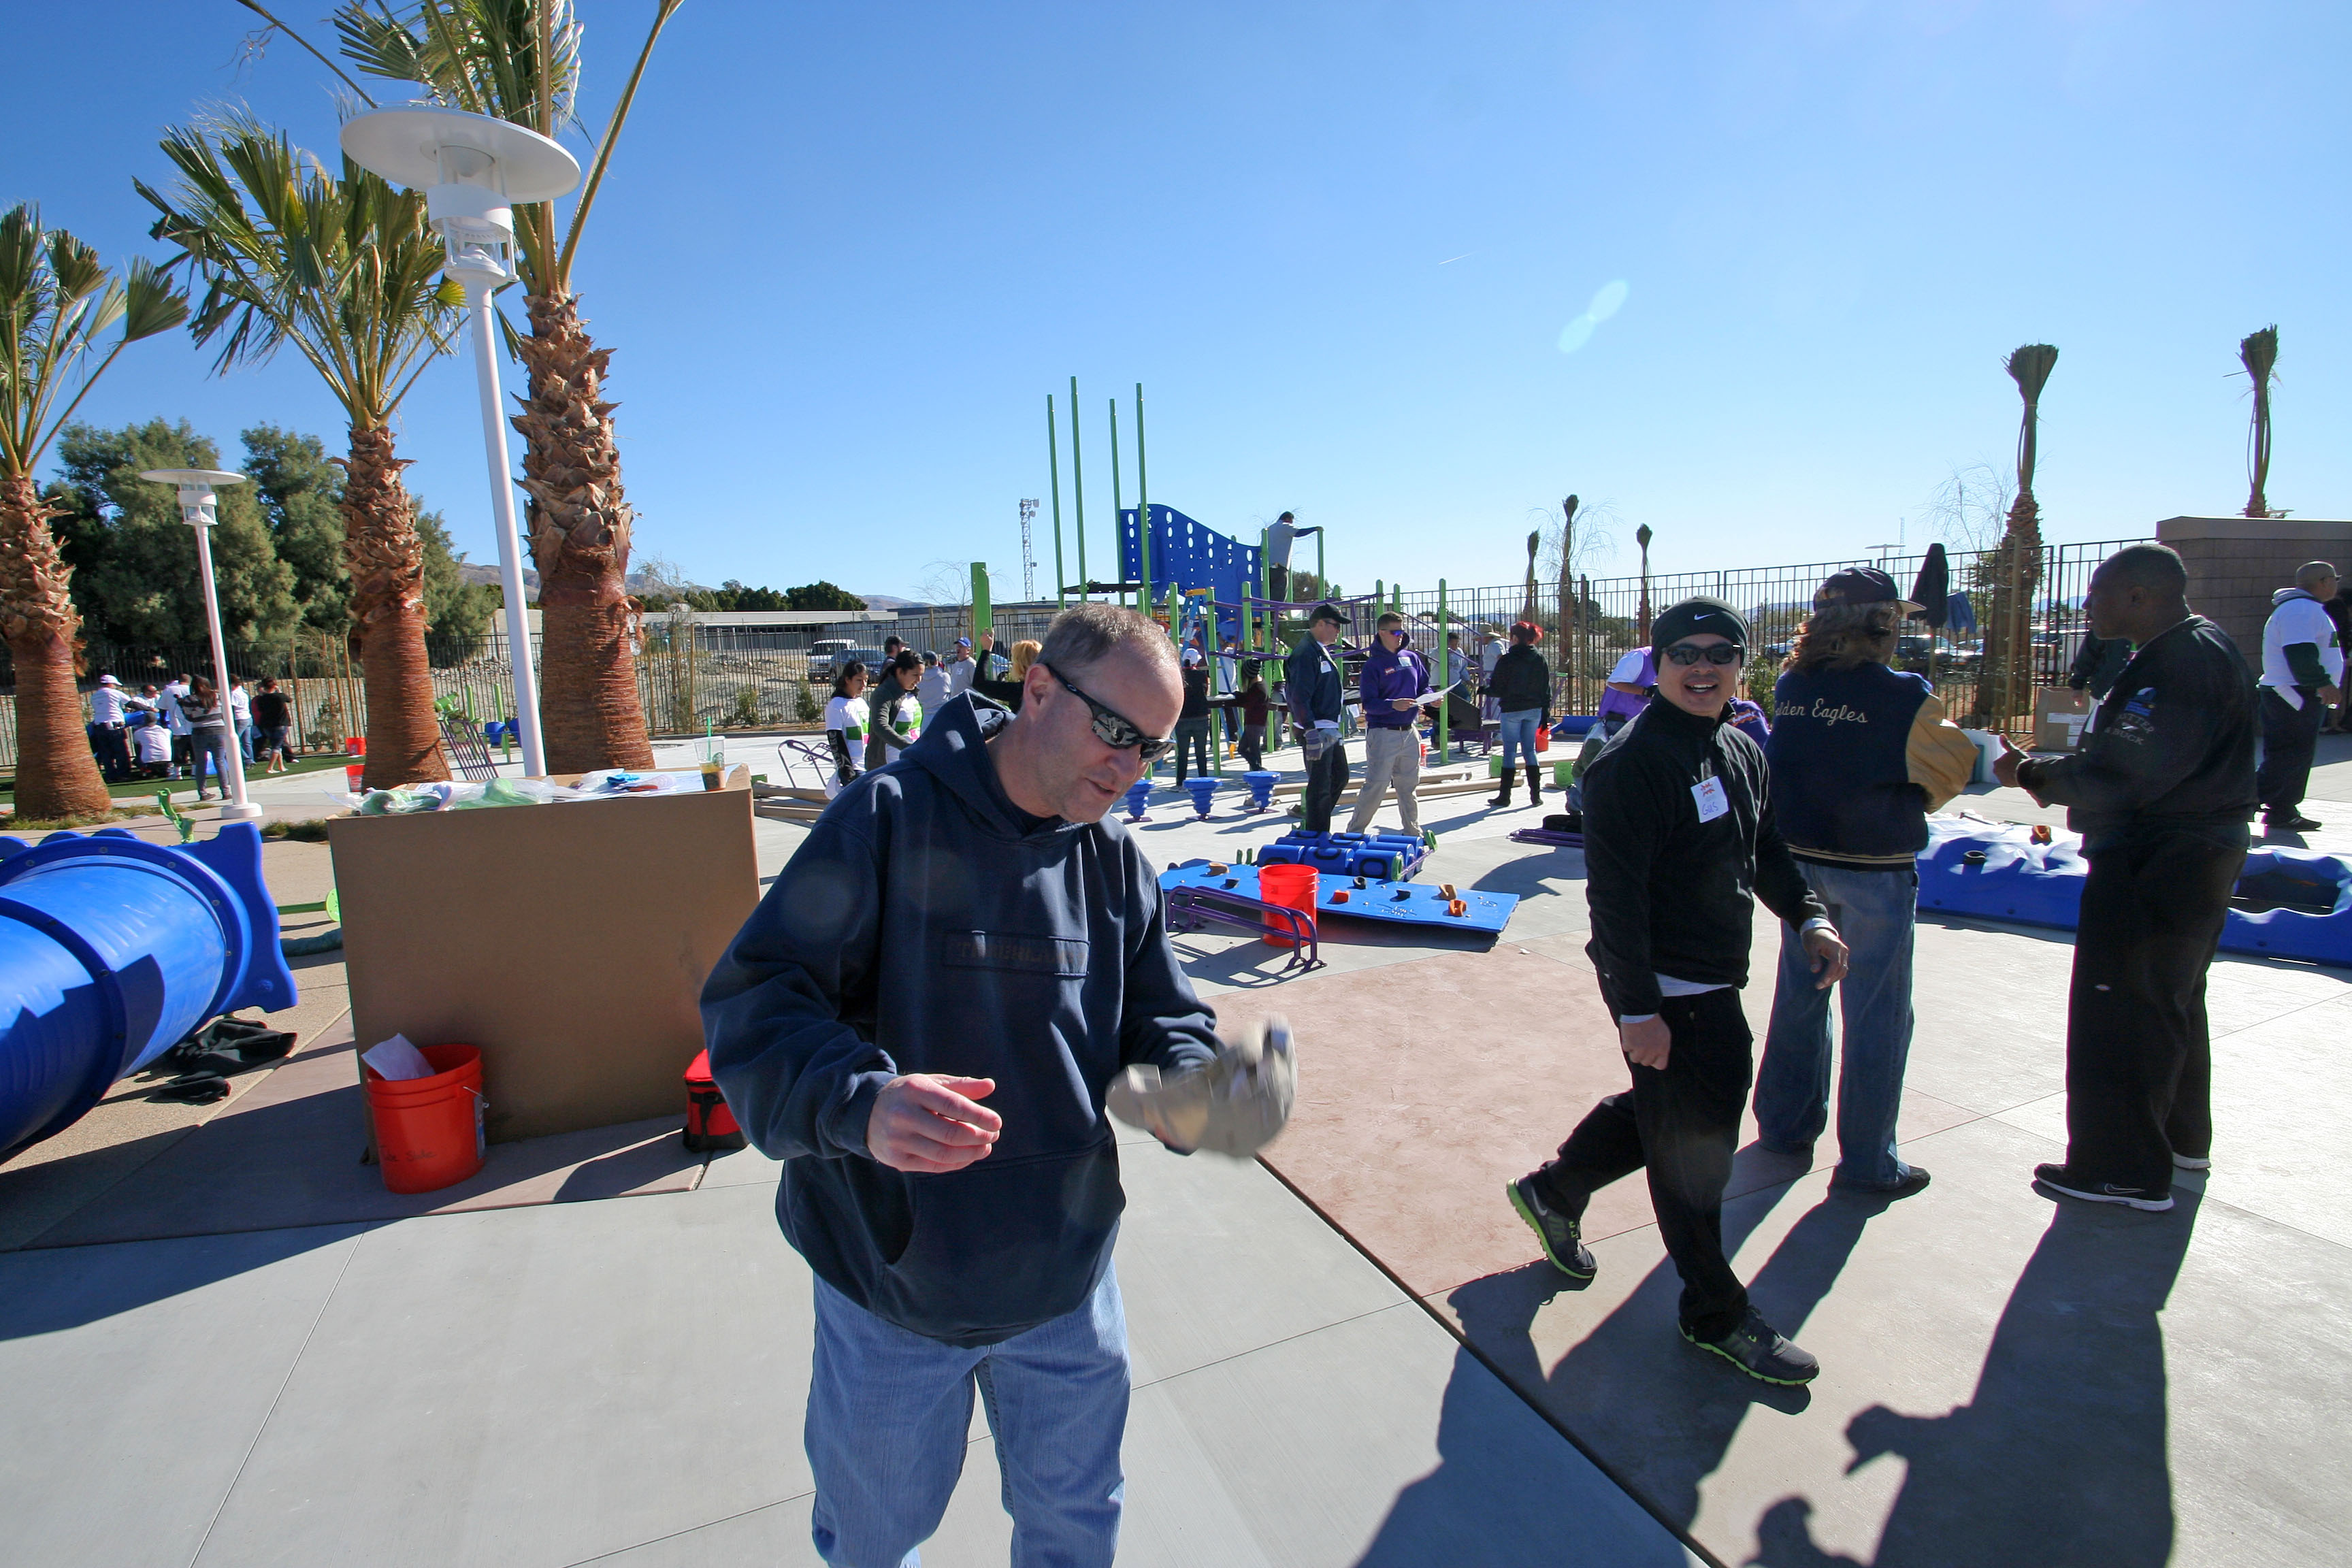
(1757,1349)
(1561,1243)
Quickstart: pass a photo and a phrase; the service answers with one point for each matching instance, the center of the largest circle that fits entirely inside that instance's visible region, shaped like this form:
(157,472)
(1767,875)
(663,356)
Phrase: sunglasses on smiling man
(1687,652)
(1113,727)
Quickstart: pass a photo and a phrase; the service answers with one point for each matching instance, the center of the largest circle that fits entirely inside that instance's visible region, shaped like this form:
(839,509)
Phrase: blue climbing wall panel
(1189,555)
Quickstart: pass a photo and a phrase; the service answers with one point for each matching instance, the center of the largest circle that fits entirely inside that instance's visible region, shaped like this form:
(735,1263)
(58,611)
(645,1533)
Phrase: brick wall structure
(2236,563)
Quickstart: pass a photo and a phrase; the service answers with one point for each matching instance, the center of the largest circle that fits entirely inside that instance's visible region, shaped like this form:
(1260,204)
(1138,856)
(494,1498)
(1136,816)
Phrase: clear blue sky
(848,251)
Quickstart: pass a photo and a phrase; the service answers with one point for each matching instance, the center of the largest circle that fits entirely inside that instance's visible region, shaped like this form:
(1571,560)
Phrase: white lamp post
(199,510)
(471,167)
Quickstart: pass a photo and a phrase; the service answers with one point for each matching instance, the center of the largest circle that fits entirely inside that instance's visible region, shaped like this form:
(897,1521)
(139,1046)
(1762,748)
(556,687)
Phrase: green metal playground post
(983,609)
(1142,512)
(1054,466)
(1114,494)
(1321,582)
(1264,639)
(1079,491)
(1445,730)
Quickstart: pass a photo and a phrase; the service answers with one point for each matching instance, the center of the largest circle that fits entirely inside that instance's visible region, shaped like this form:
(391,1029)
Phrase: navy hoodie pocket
(999,1247)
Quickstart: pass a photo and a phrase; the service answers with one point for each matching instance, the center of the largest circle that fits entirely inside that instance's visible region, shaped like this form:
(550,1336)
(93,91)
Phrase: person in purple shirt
(1628,689)
(1394,684)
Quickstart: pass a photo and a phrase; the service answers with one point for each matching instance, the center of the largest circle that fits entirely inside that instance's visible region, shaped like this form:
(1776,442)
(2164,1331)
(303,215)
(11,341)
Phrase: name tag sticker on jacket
(1708,793)
(1055,955)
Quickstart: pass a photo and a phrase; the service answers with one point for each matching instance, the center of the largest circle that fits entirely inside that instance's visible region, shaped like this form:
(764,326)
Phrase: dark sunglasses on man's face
(1113,727)
(1688,653)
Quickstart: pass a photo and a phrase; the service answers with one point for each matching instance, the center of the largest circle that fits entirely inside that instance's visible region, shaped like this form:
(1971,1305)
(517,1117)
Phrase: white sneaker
(2190,1162)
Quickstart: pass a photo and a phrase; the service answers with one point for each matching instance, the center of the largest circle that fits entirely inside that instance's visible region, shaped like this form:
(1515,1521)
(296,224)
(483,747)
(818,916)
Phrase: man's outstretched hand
(928,1122)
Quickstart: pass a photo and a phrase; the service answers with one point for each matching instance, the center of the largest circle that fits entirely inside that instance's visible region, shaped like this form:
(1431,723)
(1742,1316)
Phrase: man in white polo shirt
(2302,672)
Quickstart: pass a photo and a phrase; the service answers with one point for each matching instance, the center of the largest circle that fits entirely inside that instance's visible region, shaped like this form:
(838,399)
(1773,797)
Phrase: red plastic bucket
(1293,887)
(429,1132)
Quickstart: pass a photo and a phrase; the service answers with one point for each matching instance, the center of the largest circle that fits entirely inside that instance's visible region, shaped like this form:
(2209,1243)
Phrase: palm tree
(347,271)
(1567,650)
(56,300)
(520,60)
(1527,610)
(2258,352)
(2003,690)
(1642,536)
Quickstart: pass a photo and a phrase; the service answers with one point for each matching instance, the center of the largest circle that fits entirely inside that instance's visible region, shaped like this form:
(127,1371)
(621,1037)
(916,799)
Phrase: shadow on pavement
(2061,1457)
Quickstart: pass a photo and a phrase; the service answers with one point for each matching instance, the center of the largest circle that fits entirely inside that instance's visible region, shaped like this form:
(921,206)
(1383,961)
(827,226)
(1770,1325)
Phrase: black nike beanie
(1696,617)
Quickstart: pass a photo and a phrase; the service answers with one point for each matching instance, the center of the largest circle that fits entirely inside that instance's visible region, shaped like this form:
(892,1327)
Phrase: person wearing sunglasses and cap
(922,1021)
(1315,688)
(1679,844)
(1860,754)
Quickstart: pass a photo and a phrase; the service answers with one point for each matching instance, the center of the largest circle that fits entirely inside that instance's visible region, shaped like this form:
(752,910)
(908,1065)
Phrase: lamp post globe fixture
(199,510)
(472,168)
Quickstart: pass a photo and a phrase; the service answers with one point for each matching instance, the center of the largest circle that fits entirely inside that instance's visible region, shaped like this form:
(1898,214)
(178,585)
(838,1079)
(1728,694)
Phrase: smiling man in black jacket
(1679,844)
(921,1021)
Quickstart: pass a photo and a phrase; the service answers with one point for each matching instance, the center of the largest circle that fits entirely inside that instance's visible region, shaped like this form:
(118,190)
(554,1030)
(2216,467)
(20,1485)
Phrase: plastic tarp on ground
(1995,870)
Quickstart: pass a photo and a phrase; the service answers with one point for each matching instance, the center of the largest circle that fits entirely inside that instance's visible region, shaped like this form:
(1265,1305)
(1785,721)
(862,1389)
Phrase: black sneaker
(2297,822)
(2059,1179)
(1759,1351)
(1913,1180)
(1557,1233)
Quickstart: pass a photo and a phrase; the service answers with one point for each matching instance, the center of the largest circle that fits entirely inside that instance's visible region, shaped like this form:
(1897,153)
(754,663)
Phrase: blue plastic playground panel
(1391,903)
(113,950)
(1189,555)
(1996,871)
(1389,856)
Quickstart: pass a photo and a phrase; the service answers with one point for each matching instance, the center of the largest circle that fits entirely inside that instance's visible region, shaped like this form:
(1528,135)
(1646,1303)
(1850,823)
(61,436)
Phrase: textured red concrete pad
(1424,1086)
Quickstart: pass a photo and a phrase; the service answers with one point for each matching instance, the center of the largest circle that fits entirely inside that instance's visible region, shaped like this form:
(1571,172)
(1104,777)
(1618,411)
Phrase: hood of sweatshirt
(2284,595)
(954,749)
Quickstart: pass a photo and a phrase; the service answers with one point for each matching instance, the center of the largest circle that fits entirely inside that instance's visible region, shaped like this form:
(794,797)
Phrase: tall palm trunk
(2258,352)
(2005,687)
(56,774)
(387,563)
(579,543)
(1565,652)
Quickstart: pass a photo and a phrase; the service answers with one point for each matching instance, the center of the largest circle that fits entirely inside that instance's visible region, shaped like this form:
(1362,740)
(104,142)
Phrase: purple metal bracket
(1191,907)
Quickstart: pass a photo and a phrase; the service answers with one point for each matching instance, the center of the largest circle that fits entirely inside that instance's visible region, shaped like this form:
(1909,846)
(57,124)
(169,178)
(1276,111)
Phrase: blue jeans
(1873,911)
(1519,736)
(889,1411)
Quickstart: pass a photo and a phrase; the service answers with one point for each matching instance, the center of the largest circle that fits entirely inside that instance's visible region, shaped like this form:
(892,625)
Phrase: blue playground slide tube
(113,949)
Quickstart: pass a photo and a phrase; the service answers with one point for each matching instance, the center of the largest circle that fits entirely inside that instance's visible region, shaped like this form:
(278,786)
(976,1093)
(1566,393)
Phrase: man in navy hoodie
(921,1021)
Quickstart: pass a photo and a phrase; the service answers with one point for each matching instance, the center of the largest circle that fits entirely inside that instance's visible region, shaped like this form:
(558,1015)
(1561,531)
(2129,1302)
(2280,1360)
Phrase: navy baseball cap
(1860,585)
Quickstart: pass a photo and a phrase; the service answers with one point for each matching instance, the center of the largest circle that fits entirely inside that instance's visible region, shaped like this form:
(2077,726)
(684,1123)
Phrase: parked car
(828,656)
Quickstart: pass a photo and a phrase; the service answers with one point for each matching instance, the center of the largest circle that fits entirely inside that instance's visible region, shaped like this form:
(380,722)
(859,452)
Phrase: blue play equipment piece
(1189,555)
(1393,903)
(1997,871)
(1201,789)
(1387,856)
(113,949)
(1139,794)
(1261,781)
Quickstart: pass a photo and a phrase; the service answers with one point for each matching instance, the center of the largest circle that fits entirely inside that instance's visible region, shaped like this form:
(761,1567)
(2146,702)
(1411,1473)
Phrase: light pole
(198,510)
(471,168)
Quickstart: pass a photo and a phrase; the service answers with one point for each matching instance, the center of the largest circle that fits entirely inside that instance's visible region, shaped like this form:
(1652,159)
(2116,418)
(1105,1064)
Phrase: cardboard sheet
(569,943)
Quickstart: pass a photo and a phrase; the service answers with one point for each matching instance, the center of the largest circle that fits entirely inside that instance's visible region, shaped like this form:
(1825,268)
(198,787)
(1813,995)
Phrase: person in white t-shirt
(240,713)
(846,719)
(107,740)
(2303,678)
(183,754)
(1490,654)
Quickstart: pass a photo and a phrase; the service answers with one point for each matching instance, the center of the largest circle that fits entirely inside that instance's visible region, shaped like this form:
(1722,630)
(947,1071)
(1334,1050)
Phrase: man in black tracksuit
(2161,793)
(1315,687)
(1679,843)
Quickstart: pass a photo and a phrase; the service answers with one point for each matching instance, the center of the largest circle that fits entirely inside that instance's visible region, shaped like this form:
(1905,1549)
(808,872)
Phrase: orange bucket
(429,1132)
(1294,887)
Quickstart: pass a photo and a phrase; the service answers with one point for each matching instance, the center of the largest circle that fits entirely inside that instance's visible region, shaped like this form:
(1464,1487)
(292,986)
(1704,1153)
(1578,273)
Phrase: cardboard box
(2058,714)
(568,941)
